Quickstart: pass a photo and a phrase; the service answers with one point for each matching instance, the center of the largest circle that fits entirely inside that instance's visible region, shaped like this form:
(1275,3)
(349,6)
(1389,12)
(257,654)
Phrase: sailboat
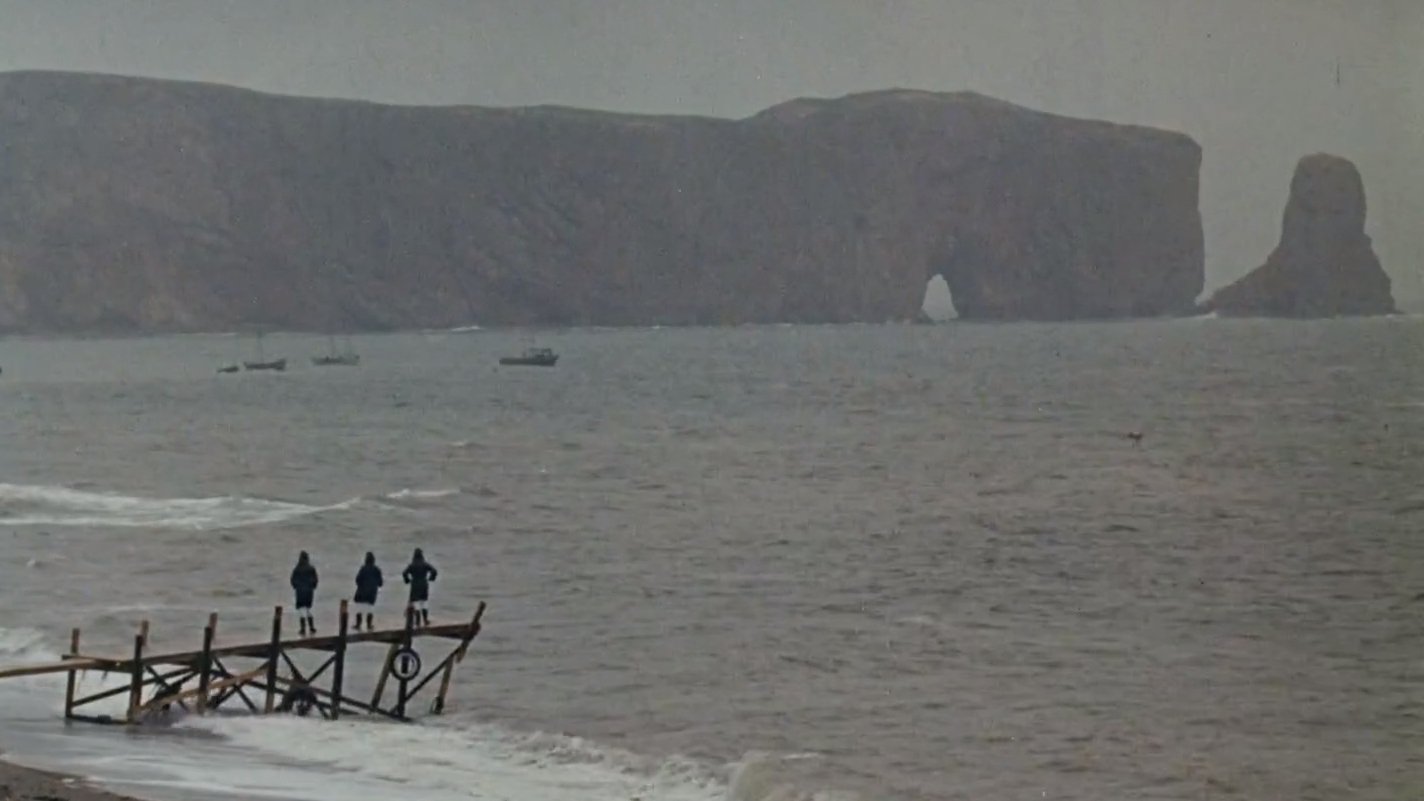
(261,363)
(347,358)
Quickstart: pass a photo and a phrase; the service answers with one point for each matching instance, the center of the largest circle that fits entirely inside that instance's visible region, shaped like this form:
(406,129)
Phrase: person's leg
(302,614)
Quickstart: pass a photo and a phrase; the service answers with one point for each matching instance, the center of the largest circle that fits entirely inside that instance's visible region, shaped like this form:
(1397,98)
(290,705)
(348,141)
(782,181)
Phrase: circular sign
(405,665)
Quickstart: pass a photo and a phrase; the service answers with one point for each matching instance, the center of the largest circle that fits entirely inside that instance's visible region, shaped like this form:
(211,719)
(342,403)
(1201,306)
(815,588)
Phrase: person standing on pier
(304,581)
(418,574)
(368,584)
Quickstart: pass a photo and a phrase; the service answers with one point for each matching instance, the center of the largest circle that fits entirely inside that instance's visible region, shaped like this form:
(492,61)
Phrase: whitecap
(40,505)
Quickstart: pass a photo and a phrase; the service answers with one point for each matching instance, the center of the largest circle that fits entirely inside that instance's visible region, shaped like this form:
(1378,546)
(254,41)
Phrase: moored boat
(533,357)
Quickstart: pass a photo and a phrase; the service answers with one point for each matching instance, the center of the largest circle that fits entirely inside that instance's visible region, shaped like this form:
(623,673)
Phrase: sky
(1259,83)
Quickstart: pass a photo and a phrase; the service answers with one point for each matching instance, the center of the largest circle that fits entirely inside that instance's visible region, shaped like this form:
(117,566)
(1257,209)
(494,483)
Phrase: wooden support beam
(273,653)
(202,692)
(348,702)
(236,689)
(72,680)
(63,666)
(164,686)
(441,668)
(402,696)
(136,679)
(110,693)
(292,666)
(339,675)
(325,666)
(385,674)
(205,669)
(438,705)
(103,720)
(447,631)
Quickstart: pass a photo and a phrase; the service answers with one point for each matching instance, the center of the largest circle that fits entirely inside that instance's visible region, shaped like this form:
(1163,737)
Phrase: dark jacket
(418,574)
(304,580)
(368,581)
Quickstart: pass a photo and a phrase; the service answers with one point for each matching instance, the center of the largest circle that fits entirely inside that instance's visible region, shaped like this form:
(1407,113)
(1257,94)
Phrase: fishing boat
(533,357)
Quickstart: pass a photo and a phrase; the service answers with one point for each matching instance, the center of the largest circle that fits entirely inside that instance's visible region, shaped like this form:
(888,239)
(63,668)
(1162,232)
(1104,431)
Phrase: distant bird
(1136,437)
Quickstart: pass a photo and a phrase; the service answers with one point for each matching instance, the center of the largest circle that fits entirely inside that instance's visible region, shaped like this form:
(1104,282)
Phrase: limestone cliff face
(151,205)
(1325,264)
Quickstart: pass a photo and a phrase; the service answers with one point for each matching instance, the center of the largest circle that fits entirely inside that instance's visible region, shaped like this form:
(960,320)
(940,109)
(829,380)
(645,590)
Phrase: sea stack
(1325,265)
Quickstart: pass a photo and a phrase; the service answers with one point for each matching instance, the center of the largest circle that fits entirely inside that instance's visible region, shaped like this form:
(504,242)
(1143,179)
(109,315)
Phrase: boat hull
(523,361)
(278,365)
(336,361)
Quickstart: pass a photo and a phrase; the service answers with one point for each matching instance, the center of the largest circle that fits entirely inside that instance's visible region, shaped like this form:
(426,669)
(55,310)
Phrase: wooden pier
(263,677)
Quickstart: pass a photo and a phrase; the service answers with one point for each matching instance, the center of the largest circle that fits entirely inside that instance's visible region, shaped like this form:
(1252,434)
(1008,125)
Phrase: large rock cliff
(153,205)
(1325,265)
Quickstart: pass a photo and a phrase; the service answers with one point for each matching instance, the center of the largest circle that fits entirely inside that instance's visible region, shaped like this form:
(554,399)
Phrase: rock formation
(1324,265)
(137,204)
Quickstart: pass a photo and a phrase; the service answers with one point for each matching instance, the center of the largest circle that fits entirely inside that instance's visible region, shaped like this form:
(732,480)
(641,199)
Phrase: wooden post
(72,681)
(438,705)
(339,669)
(143,631)
(274,652)
(403,696)
(205,668)
(385,674)
(136,680)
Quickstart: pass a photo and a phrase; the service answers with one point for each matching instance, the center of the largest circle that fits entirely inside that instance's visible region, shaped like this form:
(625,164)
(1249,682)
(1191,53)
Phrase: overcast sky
(1258,82)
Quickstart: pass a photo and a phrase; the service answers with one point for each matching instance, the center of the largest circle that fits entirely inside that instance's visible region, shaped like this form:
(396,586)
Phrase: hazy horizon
(1259,83)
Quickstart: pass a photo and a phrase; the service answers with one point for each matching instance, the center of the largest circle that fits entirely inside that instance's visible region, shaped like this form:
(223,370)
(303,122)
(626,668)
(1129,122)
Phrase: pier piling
(72,679)
(338,673)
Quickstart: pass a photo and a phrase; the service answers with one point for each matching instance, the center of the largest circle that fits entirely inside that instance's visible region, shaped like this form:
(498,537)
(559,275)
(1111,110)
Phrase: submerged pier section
(263,677)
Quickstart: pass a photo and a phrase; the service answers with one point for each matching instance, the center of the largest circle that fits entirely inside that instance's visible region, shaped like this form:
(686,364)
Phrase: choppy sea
(757,564)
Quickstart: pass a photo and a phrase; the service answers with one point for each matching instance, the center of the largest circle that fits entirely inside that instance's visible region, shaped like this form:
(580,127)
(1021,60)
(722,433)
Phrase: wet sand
(26,784)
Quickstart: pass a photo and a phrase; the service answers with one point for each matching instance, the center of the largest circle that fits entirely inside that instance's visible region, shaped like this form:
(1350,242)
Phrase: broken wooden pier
(263,676)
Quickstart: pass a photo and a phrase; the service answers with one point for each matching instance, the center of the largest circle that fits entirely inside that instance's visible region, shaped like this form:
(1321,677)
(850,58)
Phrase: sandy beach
(25,784)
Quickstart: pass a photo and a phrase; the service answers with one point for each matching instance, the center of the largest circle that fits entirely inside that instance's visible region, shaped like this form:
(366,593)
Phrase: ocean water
(757,564)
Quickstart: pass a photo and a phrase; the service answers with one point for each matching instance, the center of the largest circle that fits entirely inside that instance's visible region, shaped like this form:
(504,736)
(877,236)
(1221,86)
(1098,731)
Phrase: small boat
(229,368)
(335,359)
(261,363)
(275,364)
(347,358)
(533,357)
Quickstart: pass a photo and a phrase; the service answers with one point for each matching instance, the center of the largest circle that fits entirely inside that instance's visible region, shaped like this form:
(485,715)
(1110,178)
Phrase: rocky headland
(132,204)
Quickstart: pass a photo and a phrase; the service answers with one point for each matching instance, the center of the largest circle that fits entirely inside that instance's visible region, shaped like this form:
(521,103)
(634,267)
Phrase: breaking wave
(38,505)
(478,761)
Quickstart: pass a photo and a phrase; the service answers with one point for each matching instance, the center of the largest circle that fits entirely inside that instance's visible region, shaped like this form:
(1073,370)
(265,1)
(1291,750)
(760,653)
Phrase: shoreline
(19,783)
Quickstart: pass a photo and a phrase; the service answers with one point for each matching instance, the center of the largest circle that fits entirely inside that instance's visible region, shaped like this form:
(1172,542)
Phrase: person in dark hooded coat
(418,574)
(304,580)
(368,584)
